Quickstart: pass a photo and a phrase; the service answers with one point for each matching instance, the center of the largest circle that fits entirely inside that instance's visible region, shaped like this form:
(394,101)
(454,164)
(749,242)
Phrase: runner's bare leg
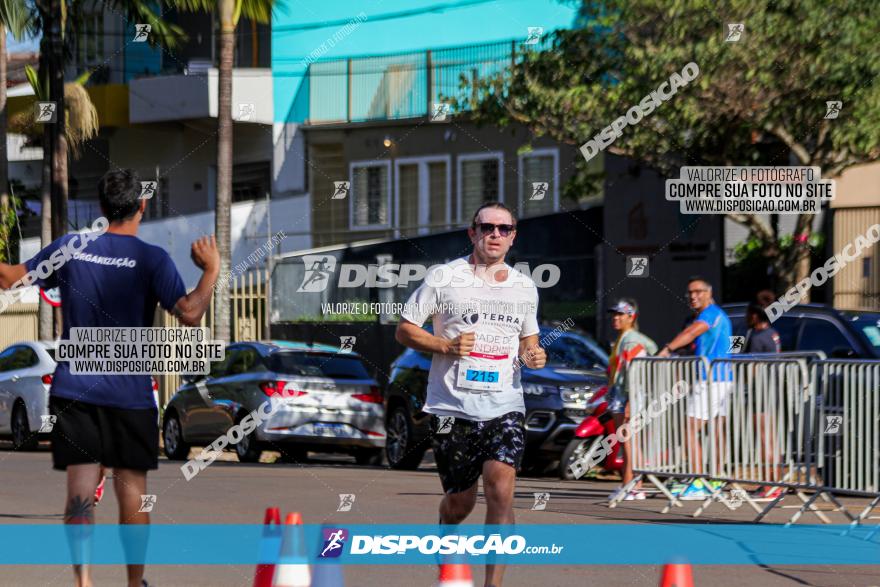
(129,485)
(455,507)
(498,484)
(80,510)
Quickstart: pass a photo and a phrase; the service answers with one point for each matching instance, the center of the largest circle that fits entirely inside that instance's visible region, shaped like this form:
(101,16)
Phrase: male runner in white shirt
(485,327)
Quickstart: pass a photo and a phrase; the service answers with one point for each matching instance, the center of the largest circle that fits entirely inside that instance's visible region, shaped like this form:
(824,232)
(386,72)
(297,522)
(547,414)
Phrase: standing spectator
(630,344)
(761,337)
(711,330)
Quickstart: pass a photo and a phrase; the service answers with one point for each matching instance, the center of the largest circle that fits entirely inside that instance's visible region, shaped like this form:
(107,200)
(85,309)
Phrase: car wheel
(22,437)
(176,449)
(368,456)
(400,442)
(578,450)
(248,448)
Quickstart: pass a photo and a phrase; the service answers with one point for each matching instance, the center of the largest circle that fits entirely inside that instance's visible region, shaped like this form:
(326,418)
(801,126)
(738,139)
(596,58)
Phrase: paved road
(235,493)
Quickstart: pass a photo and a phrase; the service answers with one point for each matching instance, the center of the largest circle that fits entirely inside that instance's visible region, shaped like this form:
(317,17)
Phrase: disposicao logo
(334,542)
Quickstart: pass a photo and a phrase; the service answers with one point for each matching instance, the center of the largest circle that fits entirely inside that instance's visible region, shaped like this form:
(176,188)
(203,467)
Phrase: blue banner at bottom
(415,544)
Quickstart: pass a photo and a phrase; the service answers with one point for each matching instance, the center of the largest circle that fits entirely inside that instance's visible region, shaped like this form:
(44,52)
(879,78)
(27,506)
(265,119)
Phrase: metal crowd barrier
(795,421)
(847,431)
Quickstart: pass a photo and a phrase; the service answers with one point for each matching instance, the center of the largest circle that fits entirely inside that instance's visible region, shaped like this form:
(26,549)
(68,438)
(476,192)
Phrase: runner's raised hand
(204,253)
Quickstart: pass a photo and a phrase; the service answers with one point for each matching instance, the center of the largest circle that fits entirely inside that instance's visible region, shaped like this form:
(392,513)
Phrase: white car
(26,370)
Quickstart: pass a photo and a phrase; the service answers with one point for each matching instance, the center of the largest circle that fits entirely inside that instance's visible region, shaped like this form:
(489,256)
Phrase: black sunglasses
(489,228)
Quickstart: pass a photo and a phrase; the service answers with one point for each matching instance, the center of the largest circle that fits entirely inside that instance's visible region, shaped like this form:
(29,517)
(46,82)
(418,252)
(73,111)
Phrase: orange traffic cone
(293,566)
(455,574)
(269,547)
(677,575)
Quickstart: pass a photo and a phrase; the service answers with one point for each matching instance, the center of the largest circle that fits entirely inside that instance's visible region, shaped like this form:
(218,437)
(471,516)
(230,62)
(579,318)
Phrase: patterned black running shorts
(460,449)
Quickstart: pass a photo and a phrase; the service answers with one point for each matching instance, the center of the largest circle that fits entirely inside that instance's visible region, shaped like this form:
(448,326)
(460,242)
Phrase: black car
(845,334)
(555,396)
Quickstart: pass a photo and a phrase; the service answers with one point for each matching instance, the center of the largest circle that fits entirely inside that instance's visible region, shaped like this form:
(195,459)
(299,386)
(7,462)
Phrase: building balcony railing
(400,85)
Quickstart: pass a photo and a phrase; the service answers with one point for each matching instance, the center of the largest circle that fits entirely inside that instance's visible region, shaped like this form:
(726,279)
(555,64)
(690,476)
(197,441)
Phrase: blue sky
(28,45)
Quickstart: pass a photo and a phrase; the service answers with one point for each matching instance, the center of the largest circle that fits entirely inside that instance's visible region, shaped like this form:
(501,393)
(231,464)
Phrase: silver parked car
(26,370)
(323,400)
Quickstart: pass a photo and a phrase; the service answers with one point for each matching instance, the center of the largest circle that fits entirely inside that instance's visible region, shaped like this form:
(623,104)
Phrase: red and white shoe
(99,491)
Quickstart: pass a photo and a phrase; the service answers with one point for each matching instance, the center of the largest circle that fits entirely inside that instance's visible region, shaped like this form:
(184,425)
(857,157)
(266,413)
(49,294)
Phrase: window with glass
(538,182)
(369,196)
(480,181)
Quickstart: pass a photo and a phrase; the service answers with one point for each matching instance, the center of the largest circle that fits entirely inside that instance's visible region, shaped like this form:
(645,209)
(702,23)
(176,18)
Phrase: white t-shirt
(485,384)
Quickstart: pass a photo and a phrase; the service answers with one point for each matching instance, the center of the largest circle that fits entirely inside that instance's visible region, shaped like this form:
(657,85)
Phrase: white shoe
(635,495)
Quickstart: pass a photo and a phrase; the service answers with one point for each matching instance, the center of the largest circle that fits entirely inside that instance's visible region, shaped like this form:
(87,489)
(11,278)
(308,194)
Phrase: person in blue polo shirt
(710,330)
(111,279)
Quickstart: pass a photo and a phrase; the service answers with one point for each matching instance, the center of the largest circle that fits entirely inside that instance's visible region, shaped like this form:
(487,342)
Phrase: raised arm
(190,308)
(9,274)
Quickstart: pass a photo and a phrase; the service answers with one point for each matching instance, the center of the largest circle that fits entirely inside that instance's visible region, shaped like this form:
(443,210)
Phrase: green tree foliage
(758,101)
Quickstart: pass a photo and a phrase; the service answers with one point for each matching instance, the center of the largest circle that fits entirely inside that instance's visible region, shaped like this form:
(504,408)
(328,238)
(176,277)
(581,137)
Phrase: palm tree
(80,124)
(53,18)
(229,12)
(16,18)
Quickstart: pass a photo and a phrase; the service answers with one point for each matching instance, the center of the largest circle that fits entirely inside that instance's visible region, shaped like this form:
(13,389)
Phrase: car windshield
(570,352)
(868,324)
(318,365)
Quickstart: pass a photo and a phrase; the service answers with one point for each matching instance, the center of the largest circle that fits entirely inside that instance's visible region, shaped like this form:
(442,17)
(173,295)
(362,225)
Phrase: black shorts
(117,438)
(461,450)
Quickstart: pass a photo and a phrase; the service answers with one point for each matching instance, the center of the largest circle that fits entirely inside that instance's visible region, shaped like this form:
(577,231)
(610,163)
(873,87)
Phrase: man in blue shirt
(111,279)
(711,330)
